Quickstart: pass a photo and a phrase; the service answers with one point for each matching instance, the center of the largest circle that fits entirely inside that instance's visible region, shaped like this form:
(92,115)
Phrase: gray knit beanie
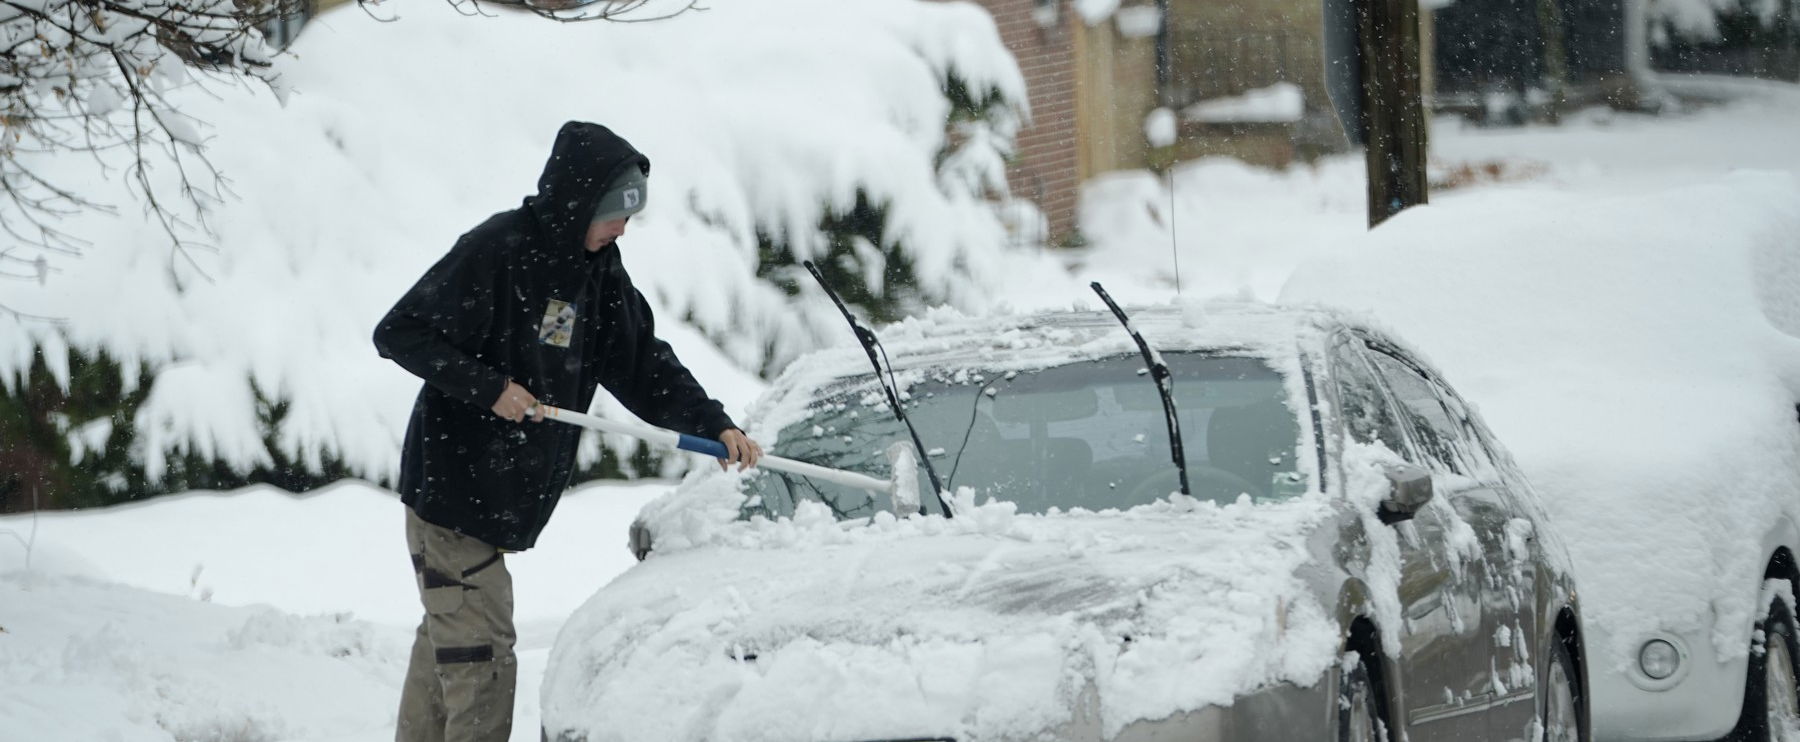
(624,196)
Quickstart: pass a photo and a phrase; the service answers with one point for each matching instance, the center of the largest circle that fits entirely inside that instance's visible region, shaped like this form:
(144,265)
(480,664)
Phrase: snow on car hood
(988,626)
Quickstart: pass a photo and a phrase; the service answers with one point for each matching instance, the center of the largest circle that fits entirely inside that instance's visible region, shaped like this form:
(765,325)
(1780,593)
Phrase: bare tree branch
(94,76)
(579,11)
(97,76)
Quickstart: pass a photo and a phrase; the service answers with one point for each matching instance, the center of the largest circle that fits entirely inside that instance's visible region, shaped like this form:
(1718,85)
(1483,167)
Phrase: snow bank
(758,119)
(254,614)
(1604,150)
(1636,352)
(82,659)
(335,550)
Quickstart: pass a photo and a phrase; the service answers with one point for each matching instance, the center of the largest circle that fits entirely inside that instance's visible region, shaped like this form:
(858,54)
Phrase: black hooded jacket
(492,310)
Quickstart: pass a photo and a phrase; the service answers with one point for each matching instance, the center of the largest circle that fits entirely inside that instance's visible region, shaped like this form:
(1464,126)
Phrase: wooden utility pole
(1392,105)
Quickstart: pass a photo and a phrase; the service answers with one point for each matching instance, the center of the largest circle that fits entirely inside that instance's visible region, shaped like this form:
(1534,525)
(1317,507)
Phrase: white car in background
(1357,554)
(1640,354)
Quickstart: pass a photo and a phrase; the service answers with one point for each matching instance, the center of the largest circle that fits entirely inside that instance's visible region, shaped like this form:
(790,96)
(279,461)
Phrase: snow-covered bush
(1677,21)
(787,131)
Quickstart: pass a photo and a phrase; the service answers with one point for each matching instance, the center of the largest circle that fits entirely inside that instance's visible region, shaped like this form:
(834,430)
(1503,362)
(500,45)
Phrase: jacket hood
(584,159)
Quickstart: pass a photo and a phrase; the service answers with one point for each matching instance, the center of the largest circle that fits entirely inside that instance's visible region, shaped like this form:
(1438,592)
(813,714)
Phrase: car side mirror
(1409,488)
(639,540)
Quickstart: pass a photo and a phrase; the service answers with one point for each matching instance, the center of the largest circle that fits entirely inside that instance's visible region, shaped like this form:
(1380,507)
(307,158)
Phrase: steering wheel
(1202,479)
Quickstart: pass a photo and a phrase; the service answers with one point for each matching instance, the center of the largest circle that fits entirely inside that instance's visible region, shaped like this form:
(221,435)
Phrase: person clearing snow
(531,307)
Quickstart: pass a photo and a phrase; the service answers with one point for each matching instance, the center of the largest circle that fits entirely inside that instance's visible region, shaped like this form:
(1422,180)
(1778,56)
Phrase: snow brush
(902,489)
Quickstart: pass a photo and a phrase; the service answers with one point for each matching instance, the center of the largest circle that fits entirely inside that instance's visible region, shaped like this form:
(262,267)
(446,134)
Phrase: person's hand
(744,452)
(515,404)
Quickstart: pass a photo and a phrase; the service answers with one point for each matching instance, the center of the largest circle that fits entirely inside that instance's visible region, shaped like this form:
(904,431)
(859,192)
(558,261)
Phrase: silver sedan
(1344,553)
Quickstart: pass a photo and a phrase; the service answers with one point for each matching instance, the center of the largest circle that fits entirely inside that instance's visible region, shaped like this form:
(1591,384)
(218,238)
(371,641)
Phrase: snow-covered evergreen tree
(869,136)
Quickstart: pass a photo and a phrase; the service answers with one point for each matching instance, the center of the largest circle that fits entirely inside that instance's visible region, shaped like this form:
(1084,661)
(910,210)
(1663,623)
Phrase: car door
(1499,676)
(1514,715)
(1442,658)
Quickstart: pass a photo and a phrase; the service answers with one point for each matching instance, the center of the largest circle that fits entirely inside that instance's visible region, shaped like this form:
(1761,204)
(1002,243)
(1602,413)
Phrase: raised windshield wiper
(867,338)
(1159,372)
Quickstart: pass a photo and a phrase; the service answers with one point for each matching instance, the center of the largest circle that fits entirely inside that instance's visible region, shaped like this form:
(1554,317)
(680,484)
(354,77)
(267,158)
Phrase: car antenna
(1159,372)
(870,344)
(1174,240)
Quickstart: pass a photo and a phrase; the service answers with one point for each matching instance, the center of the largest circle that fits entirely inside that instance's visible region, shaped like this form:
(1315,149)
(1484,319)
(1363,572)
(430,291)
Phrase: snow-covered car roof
(946,340)
(945,336)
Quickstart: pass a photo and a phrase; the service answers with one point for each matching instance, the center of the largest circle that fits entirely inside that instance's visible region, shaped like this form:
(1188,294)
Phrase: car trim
(1476,704)
(1312,409)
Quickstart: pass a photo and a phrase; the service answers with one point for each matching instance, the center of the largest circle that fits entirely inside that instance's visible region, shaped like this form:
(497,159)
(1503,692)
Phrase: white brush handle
(714,448)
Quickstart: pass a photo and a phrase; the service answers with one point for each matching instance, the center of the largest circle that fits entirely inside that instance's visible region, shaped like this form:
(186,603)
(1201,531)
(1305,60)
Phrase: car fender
(1706,702)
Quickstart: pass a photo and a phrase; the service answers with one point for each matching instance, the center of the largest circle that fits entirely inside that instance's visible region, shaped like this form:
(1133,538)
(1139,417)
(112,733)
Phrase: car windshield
(1089,434)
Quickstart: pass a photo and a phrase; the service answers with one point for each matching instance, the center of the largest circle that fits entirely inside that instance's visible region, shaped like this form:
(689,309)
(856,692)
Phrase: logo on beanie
(633,197)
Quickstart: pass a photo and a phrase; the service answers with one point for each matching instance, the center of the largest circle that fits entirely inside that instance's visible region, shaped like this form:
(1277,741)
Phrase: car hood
(989,626)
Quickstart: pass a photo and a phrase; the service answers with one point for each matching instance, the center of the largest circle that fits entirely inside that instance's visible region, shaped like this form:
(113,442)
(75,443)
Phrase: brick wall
(1045,167)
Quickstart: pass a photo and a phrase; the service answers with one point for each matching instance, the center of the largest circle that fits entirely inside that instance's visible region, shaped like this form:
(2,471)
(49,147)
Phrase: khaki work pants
(459,685)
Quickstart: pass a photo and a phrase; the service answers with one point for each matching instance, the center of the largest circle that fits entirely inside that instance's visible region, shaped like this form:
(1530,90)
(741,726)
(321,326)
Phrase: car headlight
(1659,659)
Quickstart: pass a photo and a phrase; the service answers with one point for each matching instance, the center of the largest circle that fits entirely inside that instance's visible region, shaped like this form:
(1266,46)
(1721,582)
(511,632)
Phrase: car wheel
(1359,706)
(1771,691)
(1562,698)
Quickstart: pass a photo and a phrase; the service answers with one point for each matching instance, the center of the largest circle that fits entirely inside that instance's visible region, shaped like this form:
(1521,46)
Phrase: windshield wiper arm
(866,337)
(1159,372)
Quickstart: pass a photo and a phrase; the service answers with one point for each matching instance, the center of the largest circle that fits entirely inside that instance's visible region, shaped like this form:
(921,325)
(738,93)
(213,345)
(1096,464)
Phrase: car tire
(1361,707)
(1771,710)
(1565,705)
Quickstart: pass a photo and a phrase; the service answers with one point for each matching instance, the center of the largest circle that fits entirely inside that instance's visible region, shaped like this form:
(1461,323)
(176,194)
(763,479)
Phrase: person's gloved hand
(515,404)
(744,452)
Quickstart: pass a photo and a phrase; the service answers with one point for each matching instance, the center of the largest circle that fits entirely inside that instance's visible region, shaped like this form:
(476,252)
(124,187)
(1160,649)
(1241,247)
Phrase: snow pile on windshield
(945,343)
(1637,352)
(395,141)
(991,625)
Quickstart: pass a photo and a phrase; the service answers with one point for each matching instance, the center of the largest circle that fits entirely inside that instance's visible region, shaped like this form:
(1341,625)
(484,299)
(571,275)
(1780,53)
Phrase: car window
(1484,463)
(1090,434)
(1432,428)
(1366,413)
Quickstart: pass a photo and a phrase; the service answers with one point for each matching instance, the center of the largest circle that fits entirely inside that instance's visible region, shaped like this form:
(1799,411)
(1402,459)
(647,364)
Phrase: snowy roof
(946,337)
(946,340)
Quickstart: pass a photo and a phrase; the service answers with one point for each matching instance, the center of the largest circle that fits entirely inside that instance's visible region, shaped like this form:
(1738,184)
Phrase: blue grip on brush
(697,444)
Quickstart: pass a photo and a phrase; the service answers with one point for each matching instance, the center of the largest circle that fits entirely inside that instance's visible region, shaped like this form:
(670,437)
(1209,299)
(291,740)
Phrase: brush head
(903,485)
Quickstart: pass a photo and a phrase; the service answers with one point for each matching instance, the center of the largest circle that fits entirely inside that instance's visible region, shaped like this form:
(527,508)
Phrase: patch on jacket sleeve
(558,324)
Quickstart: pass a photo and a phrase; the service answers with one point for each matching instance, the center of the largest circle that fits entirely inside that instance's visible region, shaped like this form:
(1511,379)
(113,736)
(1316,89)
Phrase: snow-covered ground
(261,616)
(254,615)
(1240,231)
